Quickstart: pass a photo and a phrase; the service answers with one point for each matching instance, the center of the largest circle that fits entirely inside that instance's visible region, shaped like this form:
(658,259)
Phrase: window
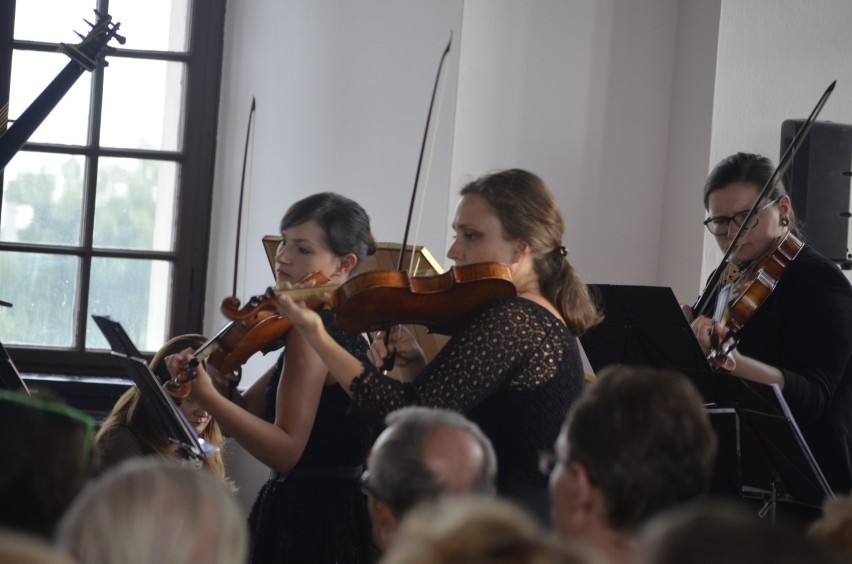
(106,209)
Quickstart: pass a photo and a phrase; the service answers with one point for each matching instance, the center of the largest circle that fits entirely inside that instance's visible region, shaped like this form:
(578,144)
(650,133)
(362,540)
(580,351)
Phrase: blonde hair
(150,510)
(480,530)
(528,212)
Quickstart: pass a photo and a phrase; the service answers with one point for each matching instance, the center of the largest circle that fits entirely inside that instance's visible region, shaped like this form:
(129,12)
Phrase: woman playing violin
(295,418)
(800,338)
(514,367)
(131,429)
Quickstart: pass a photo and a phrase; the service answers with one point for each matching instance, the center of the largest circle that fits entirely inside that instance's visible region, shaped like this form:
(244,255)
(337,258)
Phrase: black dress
(317,512)
(804,328)
(514,369)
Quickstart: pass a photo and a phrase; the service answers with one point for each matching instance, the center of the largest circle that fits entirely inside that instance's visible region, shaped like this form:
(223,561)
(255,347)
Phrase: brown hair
(529,212)
(751,169)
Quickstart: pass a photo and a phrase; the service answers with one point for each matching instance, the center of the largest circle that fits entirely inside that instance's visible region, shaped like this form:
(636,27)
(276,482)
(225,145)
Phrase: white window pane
(42,289)
(157,25)
(133,292)
(32,72)
(42,199)
(142,104)
(135,204)
(53,21)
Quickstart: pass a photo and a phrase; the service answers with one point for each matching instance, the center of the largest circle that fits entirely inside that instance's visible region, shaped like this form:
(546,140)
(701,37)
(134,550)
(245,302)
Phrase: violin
(257,326)
(748,294)
(374,301)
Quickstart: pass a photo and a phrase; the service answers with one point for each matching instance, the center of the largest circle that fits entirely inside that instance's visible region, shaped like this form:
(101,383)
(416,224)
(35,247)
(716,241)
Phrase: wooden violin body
(750,292)
(375,301)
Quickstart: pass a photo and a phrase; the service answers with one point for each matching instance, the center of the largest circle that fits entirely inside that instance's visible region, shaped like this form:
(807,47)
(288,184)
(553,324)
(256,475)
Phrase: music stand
(762,453)
(645,325)
(170,419)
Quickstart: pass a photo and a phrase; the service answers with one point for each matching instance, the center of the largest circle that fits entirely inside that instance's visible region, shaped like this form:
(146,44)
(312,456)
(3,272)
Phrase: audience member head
(150,510)
(639,441)
(46,450)
(479,530)
(712,532)
(422,454)
(834,527)
(132,411)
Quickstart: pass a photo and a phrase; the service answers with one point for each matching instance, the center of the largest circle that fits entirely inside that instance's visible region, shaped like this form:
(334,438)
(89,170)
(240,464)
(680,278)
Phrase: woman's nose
(452,252)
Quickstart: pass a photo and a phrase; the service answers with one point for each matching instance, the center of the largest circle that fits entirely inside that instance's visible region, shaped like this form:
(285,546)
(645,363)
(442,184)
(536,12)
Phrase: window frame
(196,160)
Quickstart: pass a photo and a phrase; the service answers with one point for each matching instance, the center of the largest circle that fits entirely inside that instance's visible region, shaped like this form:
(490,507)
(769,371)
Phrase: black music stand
(762,453)
(169,417)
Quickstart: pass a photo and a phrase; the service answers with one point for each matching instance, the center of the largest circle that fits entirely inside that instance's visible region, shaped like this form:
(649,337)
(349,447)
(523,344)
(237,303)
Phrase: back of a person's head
(710,532)
(149,510)
(834,527)
(46,450)
(398,473)
(479,530)
(645,439)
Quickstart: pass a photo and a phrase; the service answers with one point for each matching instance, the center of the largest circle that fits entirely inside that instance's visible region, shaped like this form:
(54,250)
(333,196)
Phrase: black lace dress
(317,513)
(514,369)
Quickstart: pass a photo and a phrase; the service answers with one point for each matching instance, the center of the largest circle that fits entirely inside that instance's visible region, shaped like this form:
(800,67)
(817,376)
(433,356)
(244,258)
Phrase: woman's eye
(304,251)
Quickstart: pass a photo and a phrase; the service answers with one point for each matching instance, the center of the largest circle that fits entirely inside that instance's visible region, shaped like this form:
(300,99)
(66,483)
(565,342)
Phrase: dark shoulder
(522,310)
(812,268)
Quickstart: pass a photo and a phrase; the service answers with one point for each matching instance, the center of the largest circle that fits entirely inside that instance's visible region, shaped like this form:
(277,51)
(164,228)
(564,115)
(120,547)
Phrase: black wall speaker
(818,186)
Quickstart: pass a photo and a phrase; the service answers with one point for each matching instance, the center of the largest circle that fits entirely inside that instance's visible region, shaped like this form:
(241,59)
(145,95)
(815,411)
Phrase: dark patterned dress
(514,369)
(317,513)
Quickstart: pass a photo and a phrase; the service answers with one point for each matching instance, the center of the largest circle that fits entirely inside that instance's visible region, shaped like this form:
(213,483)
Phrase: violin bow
(242,192)
(703,301)
(420,159)
(206,349)
(390,359)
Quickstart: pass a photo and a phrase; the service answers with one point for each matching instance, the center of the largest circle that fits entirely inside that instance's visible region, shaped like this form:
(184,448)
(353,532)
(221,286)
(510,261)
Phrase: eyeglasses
(547,461)
(721,225)
(366,488)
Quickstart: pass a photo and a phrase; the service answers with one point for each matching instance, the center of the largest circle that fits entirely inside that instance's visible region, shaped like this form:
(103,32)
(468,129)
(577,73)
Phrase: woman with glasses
(800,338)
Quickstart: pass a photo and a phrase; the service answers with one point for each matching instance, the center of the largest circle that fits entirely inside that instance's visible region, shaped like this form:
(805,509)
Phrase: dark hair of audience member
(642,471)
(46,450)
(710,532)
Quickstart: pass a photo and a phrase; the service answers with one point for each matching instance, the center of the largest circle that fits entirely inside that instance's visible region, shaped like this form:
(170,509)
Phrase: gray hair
(397,474)
(150,510)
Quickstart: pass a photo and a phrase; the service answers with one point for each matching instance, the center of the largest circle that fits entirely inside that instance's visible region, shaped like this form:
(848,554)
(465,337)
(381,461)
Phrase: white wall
(776,57)
(592,95)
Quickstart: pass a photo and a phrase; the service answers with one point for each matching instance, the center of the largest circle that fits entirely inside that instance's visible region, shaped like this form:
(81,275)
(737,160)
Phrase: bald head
(455,458)
(426,452)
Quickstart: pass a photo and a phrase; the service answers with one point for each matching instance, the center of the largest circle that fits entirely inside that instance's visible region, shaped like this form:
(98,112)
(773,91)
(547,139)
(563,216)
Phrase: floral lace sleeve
(513,342)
